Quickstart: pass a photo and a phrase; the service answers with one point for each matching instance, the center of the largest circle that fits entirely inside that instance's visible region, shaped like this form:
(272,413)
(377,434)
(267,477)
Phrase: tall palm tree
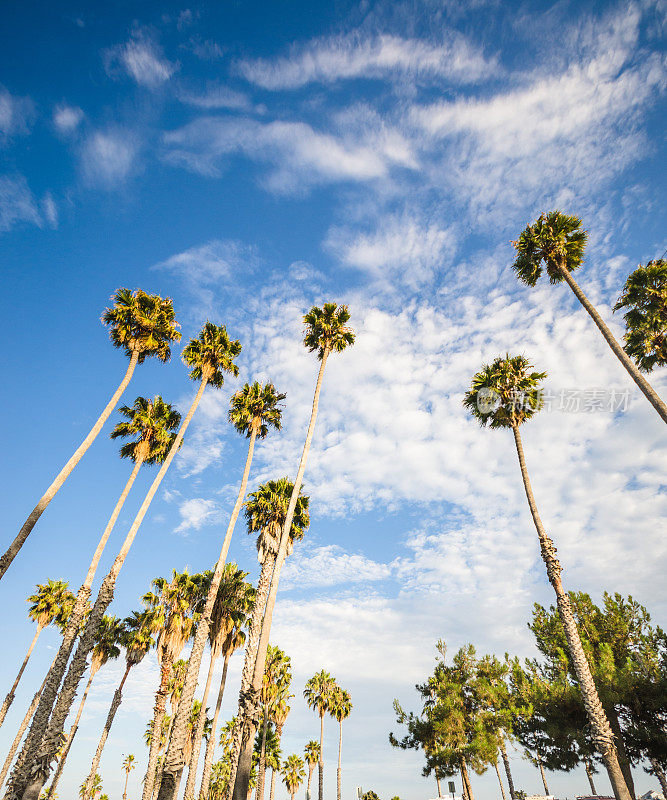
(293,773)
(173,602)
(319,693)
(280,714)
(253,409)
(506,394)
(266,512)
(266,755)
(209,355)
(137,639)
(326,331)
(340,707)
(558,241)
(51,603)
(273,696)
(312,755)
(143,325)
(645,297)
(97,788)
(150,425)
(106,648)
(128,766)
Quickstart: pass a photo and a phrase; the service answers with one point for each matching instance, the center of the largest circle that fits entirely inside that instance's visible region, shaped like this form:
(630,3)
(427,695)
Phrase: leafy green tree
(51,603)
(319,693)
(506,394)
(141,324)
(556,242)
(293,773)
(340,708)
(311,756)
(326,332)
(369,795)
(253,409)
(645,298)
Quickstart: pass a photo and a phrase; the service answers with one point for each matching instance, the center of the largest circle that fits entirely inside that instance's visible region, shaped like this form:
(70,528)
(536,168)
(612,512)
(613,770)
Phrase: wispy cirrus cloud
(215,95)
(17,203)
(16,114)
(387,56)
(67,118)
(141,59)
(195,513)
(108,157)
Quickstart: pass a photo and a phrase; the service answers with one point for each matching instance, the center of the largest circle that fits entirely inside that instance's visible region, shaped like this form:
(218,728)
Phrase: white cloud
(383,56)
(142,60)
(211,262)
(108,157)
(17,203)
(330,565)
(50,209)
(196,512)
(67,118)
(215,95)
(15,115)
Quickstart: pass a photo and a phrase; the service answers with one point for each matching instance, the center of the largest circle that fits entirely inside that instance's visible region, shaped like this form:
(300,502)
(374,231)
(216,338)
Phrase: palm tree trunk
(34,769)
(64,473)
(602,733)
(22,729)
(437,783)
(127,775)
(10,695)
(466,780)
(248,700)
(623,759)
(57,669)
(340,753)
(156,735)
(589,773)
(250,722)
(311,769)
(210,745)
(199,733)
(70,738)
(660,775)
(261,767)
(544,777)
(273,784)
(500,781)
(320,762)
(115,705)
(632,370)
(508,772)
(173,761)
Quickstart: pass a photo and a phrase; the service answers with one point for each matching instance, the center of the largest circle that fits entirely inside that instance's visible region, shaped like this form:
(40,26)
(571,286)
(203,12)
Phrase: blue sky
(249,160)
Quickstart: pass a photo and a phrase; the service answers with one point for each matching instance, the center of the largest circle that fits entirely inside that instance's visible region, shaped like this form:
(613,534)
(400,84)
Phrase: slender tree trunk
(466,780)
(57,669)
(248,700)
(340,753)
(645,387)
(602,733)
(508,771)
(589,773)
(660,775)
(115,705)
(70,738)
(173,761)
(210,745)
(500,781)
(251,721)
(623,758)
(127,775)
(273,784)
(544,777)
(199,733)
(464,795)
(311,769)
(27,781)
(158,716)
(320,762)
(64,473)
(22,729)
(10,695)
(261,767)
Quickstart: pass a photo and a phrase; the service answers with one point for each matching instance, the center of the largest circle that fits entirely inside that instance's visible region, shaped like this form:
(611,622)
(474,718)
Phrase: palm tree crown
(555,240)
(312,752)
(137,635)
(211,354)
(142,322)
(645,297)
(233,604)
(327,330)
(106,648)
(340,704)
(505,393)
(153,423)
(293,773)
(52,602)
(256,406)
(266,511)
(319,692)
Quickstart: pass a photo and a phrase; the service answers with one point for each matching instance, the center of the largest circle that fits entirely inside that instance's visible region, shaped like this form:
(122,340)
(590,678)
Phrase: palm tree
(143,325)
(312,755)
(326,331)
(266,755)
(106,648)
(137,639)
(505,394)
(128,766)
(51,603)
(293,773)
(233,604)
(266,511)
(273,696)
(173,603)
(645,297)
(558,241)
(152,424)
(319,693)
(208,355)
(340,708)
(280,714)
(83,790)
(253,409)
